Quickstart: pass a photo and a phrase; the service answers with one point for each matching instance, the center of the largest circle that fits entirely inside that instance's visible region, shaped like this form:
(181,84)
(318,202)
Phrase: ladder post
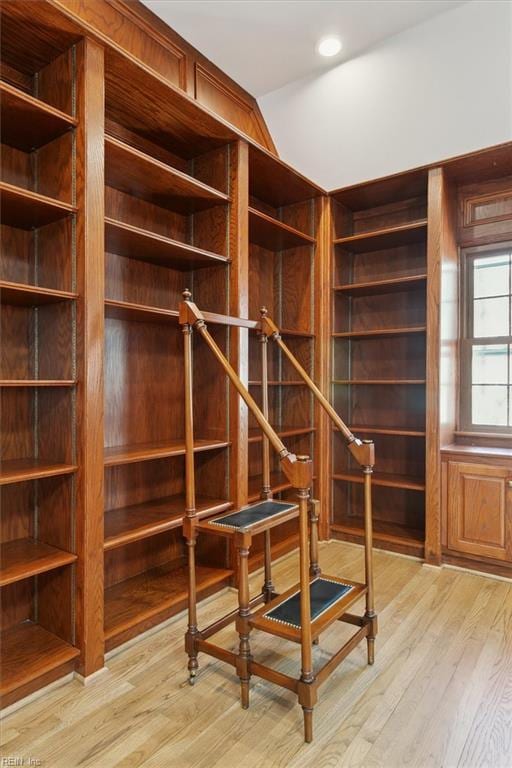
(314,567)
(189,529)
(266,489)
(244,657)
(368,559)
(307,687)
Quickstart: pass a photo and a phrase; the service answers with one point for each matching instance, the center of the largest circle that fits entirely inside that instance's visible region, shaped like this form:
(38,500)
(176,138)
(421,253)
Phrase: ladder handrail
(362,450)
(298,469)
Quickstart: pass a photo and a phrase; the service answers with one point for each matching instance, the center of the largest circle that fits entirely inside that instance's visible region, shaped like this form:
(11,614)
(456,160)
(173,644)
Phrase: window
(486,366)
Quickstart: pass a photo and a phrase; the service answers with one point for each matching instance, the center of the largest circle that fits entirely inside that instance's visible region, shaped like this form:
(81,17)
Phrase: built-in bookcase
(379,354)
(38,359)
(167,201)
(283,229)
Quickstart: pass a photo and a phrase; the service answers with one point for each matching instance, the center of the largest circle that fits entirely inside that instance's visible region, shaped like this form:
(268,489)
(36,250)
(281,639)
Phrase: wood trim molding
(134,13)
(136,30)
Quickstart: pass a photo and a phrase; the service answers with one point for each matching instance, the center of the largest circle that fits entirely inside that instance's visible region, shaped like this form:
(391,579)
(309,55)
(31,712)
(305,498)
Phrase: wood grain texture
(27,210)
(478,510)
(23,558)
(435,711)
(28,652)
(90,326)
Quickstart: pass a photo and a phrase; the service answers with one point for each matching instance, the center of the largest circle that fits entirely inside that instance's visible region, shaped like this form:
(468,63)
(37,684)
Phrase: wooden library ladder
(303,612)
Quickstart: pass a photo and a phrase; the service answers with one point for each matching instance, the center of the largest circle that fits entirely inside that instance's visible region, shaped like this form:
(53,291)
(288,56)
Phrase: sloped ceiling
(265,44)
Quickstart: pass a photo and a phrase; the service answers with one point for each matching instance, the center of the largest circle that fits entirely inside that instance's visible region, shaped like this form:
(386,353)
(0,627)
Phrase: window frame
(467,341)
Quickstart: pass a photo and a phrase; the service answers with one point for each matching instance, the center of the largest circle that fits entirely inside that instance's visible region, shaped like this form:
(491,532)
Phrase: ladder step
(330,597)
(253,518)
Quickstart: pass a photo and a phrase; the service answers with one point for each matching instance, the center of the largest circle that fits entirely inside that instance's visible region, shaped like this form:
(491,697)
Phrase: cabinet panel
(479,511)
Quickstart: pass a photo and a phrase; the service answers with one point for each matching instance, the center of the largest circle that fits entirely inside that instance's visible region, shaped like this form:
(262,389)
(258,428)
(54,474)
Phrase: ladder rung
(330,597)
(253,518)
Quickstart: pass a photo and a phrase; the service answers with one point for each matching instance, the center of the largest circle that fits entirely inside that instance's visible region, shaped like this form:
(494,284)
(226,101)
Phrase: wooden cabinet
(479,519)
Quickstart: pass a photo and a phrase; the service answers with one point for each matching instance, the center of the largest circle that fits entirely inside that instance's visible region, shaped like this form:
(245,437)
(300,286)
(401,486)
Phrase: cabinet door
(479,510)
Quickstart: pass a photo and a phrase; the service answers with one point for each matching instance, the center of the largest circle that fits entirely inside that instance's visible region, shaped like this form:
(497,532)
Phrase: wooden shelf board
(23,558)
(20,470)
(282,383)
(275,235)
(136,173)
(390,237)
(127,310)
(390,285)
(382,531)
(380,332)
(160,589)
(379,381)
(384,479)
(373,194)
(275,183)
(37,382)
(386,431)
(136,243)
(28,652)
(255,435)
(24,209)
(278,482)
(24,295)
(128,454)
(140,521)
(295,332)
(27,122)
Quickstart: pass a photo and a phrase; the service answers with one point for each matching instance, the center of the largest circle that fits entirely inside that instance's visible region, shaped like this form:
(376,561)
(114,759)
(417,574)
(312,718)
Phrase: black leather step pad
(248,516)
(323,593)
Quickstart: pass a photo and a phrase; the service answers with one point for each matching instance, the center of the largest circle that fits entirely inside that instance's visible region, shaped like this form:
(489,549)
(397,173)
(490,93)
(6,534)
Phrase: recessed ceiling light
(329,46)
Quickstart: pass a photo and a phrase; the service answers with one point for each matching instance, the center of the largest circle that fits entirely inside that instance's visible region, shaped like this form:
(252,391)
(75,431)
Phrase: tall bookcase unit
(379,371)
(41,91)
(283,230)
(167,214)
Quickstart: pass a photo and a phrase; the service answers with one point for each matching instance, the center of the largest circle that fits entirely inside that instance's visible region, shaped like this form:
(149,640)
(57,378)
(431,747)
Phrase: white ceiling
(265,44)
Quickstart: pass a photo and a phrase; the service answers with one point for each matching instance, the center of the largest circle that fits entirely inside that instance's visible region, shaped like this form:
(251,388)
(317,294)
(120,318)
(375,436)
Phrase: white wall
(440,89)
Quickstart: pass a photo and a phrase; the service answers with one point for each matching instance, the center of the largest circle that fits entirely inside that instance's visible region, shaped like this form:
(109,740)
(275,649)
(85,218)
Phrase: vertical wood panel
(90,328)
(441,348)
(322,321)
(239,307)
(478,510)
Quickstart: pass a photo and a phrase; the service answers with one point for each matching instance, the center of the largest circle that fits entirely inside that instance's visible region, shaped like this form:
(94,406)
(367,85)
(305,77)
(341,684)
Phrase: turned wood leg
(268,587)
(314,567)
(192,630)
(244,649)
(308,724)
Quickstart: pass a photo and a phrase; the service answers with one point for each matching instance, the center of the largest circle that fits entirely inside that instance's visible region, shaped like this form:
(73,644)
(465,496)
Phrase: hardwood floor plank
(438,695)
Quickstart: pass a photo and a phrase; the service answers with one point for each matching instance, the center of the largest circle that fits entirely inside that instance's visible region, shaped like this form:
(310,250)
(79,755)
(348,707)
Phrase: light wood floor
(439,695)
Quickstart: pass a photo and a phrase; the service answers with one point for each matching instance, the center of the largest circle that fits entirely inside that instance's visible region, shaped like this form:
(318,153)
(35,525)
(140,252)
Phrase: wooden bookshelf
(166,229)
(379,333)
(23,558)
(132,605)
(136,173)
(24,209)
(127,524)
(31,295)
(30,654)
(29,123)
(133,242)
(40,360)
(283,228)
